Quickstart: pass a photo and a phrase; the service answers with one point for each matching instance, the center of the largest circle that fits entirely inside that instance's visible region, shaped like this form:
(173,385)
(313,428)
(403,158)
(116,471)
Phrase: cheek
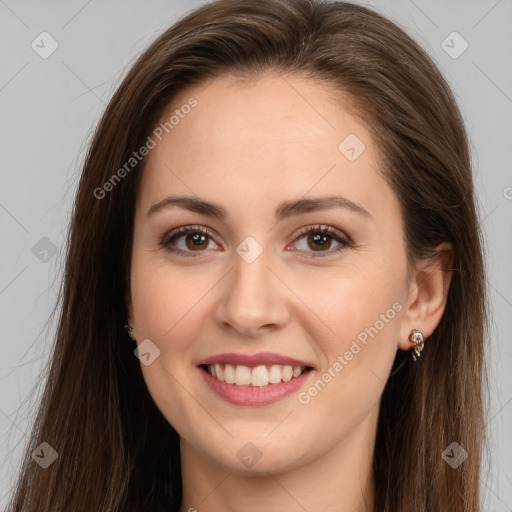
(165,298)
(359,357)
(349,301)
(167,302)
(362,313)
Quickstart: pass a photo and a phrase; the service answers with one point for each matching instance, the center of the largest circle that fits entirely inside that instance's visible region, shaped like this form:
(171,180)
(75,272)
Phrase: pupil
(197,239)
(320,240)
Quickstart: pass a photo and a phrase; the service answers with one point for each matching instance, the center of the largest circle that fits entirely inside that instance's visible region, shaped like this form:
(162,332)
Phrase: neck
(341,479)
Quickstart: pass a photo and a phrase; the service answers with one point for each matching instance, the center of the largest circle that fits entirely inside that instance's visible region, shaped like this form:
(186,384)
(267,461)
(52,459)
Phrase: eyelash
(344,241)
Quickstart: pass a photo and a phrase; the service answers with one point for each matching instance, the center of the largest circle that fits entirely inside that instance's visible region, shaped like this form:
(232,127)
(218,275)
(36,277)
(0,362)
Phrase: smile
(258,376)
(255,379)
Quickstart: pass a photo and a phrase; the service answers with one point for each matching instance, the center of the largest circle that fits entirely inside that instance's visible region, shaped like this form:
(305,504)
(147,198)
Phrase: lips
(254,379)
(253,360)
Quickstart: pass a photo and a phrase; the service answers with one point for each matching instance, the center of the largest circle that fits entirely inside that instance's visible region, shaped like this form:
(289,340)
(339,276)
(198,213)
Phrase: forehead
(289,115)
(270,138)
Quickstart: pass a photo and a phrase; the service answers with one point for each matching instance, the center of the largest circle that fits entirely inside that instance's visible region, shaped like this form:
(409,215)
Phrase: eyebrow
(284,210)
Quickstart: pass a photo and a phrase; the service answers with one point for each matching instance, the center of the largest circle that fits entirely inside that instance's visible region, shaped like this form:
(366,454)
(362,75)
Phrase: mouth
(254,379)
(254,376)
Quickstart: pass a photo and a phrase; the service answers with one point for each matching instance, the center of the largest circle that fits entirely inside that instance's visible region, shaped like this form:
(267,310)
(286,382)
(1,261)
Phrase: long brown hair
(116,450)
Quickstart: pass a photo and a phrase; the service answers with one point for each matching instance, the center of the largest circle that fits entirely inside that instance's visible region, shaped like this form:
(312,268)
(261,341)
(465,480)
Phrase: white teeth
(287,373)
(242,375)
(229,374)
(219,372)
(275,374)
(258,376)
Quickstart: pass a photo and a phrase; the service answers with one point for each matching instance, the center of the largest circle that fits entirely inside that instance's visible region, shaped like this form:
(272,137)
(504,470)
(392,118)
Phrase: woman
(274,296)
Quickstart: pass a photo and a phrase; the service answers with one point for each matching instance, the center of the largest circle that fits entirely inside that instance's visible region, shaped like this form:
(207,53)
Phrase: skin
(248,148)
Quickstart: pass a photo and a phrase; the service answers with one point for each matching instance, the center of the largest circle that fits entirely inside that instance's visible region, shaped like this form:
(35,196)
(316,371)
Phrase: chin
(257,459)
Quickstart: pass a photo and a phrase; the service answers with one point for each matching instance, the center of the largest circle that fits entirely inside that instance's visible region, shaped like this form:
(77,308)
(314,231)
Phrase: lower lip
(254,395)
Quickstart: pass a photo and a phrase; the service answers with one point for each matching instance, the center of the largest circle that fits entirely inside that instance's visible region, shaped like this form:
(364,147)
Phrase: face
(252,288)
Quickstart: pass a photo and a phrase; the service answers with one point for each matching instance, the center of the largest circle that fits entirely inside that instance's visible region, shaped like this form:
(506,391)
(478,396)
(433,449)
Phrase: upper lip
(263,358)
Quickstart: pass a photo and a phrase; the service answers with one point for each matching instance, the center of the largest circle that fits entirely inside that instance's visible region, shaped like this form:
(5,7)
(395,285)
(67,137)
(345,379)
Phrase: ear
(428,294)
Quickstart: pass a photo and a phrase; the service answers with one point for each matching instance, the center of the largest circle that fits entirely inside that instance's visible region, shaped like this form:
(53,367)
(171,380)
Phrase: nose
(254,298)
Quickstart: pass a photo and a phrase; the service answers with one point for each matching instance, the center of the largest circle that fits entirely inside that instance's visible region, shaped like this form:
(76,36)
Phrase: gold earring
(416,336)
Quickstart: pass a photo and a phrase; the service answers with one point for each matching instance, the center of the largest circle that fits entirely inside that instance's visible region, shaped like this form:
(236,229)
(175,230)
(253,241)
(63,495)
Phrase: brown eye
(187,240)
(319,239)
(196,241)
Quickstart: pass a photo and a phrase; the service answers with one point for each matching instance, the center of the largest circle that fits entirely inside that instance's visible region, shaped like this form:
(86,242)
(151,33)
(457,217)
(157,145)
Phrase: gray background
(48,108)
